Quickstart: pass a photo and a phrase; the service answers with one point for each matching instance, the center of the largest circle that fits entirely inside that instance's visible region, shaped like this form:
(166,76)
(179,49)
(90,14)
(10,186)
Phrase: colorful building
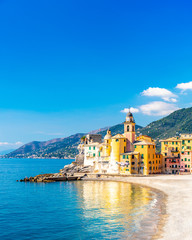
(177,154)
(123,153)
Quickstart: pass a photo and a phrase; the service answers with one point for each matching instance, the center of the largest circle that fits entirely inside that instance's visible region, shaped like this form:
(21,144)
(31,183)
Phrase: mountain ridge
(177,122)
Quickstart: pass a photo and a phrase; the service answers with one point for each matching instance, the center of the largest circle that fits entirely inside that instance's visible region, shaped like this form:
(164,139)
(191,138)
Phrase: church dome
(108,135)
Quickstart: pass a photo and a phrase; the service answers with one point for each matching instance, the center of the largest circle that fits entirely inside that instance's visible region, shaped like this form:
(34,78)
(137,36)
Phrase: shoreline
(178,189)
(155,231)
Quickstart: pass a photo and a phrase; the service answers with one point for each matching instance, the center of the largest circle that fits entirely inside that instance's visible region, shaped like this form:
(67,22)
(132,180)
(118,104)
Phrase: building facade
(177,154)
(123,153)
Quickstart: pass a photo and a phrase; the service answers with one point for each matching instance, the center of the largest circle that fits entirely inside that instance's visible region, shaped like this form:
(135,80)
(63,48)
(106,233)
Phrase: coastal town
(128,154)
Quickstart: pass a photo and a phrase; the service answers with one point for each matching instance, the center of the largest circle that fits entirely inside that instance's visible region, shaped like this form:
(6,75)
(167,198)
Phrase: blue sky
(74,66)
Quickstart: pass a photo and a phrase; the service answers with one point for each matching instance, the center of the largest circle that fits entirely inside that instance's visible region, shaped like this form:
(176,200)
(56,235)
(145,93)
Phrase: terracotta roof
(172,139)
(143,143)
(118,136)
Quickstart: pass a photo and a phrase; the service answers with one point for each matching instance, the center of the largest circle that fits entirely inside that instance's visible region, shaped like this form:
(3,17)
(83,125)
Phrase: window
(127,128)
(189,160)
(172,142)
(153,146)
(142,156)
(165,154)
(123,156)
(135,146)
(188,166)
(127,157)
(188,153)
(93,154)
(183,142)
(127,169)
(188,141)
(132,156)
(89,148)
(117,140)
(93,148)
(185,159)
(142,146)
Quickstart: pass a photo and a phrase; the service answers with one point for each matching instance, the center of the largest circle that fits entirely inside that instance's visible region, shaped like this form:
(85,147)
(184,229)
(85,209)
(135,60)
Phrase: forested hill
(177,122)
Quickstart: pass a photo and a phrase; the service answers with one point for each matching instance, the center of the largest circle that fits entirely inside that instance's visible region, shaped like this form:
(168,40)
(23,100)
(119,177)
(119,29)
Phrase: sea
(74,210)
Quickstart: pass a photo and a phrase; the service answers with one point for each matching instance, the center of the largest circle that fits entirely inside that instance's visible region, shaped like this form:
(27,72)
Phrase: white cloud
(16,144)
(158,108)
(185,86)
(133,110)
(163,93)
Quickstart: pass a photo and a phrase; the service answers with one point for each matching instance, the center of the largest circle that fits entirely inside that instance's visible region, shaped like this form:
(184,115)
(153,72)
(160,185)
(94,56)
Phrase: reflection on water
(72,210)
(119,210)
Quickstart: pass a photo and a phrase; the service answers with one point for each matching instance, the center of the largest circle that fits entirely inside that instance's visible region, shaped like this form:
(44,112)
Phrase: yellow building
(177,153)
(151,162)
(130,163)
(186,142)
(123,153)
(171,147)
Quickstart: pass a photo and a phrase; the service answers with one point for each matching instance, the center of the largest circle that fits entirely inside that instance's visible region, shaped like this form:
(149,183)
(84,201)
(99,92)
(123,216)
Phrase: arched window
(127,128)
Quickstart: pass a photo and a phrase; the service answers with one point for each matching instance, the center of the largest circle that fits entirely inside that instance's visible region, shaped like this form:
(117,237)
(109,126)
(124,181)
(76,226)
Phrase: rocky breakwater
(70,172)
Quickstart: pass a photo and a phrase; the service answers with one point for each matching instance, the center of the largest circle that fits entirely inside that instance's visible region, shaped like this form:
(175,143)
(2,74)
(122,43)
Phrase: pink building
(186,158)
(172,165)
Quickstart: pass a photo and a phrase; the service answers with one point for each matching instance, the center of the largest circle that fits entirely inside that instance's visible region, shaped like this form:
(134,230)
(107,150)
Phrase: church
(123,154)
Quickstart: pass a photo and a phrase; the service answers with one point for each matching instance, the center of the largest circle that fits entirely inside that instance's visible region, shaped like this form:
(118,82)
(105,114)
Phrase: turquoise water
(72,210)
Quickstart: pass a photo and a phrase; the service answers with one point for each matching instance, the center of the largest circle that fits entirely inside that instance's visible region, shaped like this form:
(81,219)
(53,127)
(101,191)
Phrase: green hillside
(177,122)
(56,148)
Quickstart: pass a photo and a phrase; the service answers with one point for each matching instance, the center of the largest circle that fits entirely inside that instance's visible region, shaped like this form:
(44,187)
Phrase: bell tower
(129,131)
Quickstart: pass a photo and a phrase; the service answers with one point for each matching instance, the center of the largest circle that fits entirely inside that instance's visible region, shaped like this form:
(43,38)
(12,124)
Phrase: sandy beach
(178,189)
